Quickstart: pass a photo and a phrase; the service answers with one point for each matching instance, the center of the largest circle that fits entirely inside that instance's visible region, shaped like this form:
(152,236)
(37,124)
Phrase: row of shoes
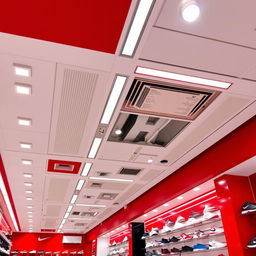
(120,251)
(197,247)
(183,237)
(155,253)
(123,241)
(194,218)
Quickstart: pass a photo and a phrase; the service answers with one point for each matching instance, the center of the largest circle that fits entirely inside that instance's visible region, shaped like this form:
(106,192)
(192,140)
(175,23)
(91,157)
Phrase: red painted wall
(29,242)
(233,149)
(90,24)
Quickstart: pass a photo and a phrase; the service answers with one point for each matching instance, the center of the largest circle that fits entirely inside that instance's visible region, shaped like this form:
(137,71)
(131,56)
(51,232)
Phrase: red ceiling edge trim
(230,151)
(6,183)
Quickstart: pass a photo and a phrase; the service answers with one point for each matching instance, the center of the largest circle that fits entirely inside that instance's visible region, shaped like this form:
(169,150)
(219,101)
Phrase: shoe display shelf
(190,229)
(121,248)
(5,245)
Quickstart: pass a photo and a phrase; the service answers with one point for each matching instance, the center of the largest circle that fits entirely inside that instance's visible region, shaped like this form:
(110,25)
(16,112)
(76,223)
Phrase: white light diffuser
(66,215)
(26,162)
(24,121)
(86,169)
(180,77)
(27,175)
(80,184)
(94,148)
(28,184)
(25,145)
(113,99)
(22,70)
(92,205)
(74,197)
(109,179)
(137,25)
(190,11)
(69,208)
(8,203)
(24,89)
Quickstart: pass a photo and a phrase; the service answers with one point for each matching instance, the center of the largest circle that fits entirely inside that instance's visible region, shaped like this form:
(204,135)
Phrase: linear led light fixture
(22,70)
(8,203)
(183,78)
(80,184)
(24,89)
(74,197)
(69,208)
(66,215)
(119,83)
(86,169)
(95,147)
(109,179)
(92,205)
(139,20)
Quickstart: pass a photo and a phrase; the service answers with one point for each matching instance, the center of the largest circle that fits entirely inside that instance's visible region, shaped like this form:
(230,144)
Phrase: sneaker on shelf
(65,252)
(80,252)
(215,230)
(165,251)
(179,223)
(34,251)
(125,239)
(199,234)
(215,244)
(174,239)
(194,217)
(210,213)
(199,247)
(154,232)
(164,241)
(156,252)
(248,208)
(185,236)
(146,234)
(175,250)
(148,245)
(114,243)
(122,250)
(156,243)
(148,253)
(186,249)
(252,243)
(165,229)
(169,223)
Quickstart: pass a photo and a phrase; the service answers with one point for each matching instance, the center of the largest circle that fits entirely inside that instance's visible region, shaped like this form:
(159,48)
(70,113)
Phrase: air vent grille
(80,224)
(96,185)
(75,213)
(128,171)
(89,214)
(166,99)
(107,196)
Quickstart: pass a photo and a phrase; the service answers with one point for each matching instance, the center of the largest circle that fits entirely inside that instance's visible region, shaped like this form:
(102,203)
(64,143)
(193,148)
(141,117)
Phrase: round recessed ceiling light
(118,132)
(190,11)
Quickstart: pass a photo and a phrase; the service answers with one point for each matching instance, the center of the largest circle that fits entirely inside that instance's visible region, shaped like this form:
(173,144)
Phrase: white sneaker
(114,243)
(148,245)
(34,251)
(210,213)
(214,231)
(215,244)
(154,232)
(165,229)
(180,222)
(125,239)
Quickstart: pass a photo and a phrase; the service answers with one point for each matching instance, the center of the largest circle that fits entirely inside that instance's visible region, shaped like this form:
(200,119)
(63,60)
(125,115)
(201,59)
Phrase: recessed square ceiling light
(24,121)
(27,175)
(86,169)
(29,191)
(94,148)
(141,15)
(113,98)
(24,89)
(29,198)
(182,78)
(22,70)
(74,197)
(28,184)
(25,145)
(80,184)
(26,162)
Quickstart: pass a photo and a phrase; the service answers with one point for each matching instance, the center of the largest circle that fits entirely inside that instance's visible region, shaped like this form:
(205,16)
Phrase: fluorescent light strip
(22,70)
(110,179)
(94,148)
(138,22)
(8,203)
(92,205)
(86,169)
(180,77)
(24,89)
(69,208)
(66,215)
(113,99)
(80,184)
(24,121)
(182,205)
(74,197)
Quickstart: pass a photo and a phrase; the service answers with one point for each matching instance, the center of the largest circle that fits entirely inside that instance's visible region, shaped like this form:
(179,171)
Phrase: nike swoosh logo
(42,239)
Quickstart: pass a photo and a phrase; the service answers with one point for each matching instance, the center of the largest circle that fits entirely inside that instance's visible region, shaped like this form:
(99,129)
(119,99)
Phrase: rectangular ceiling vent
(75,213)
(102,174)
(137,129)
(96,185)
(159,98)
(107,196)
(64,167)
(89,214)
(128,171)
(80,224)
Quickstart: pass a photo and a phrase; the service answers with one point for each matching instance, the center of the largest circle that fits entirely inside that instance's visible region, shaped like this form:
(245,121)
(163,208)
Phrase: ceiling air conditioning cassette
(167,100)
